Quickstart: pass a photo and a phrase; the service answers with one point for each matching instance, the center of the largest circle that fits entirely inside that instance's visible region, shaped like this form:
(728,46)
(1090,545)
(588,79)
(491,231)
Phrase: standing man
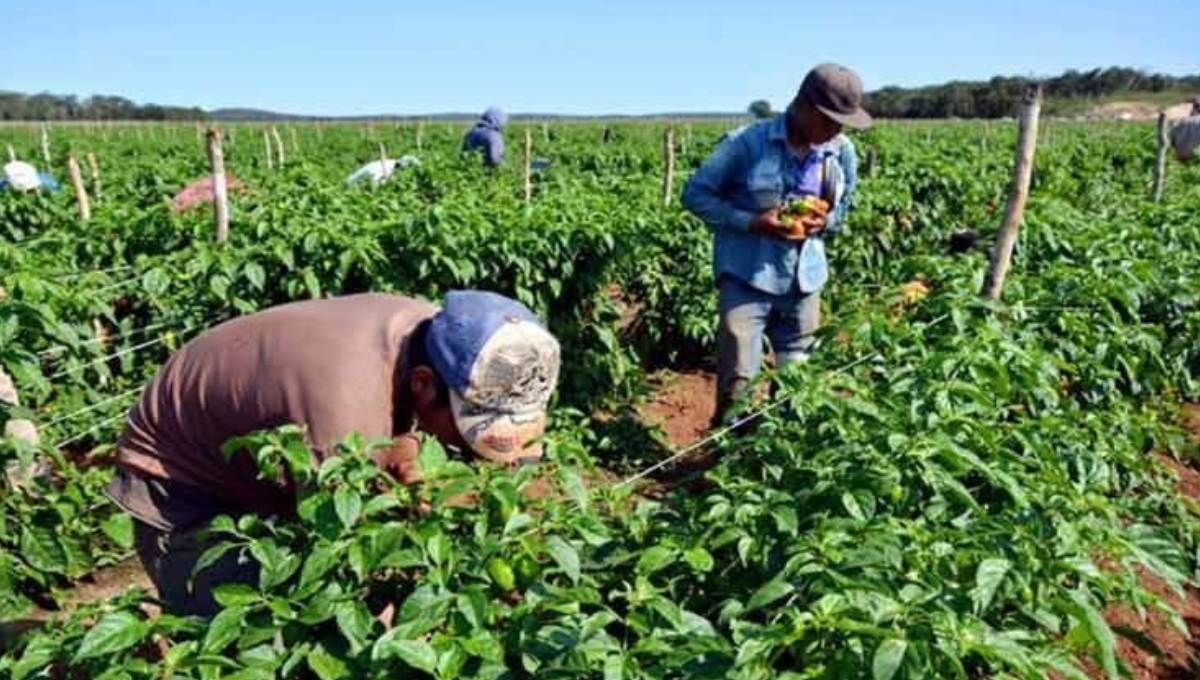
(476,374)
(1185,135)
(487,137)
(770,265)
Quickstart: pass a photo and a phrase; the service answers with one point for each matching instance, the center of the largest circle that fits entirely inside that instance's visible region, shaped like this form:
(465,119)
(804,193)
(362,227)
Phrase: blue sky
(565,56)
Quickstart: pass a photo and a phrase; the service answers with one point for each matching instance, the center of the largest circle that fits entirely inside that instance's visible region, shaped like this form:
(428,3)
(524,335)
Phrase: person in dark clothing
(487,137)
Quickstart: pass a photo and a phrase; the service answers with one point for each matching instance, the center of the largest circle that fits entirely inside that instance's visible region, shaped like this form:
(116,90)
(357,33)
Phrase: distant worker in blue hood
(487,137)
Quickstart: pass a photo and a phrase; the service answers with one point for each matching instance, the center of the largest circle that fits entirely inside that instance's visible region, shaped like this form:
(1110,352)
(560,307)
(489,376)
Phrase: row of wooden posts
(993,282)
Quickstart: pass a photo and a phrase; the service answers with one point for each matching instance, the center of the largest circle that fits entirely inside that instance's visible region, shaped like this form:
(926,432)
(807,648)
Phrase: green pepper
(502,573)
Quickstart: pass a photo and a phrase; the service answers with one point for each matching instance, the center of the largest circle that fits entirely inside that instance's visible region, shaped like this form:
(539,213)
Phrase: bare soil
(101,585)
(682,406)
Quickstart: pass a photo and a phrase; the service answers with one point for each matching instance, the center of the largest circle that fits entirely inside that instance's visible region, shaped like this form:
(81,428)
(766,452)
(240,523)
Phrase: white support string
(110,270)
(730,428)
(73,274)
(752,416)
(95,428)
(114,286)
(116,355)
(97,341)
(93,407)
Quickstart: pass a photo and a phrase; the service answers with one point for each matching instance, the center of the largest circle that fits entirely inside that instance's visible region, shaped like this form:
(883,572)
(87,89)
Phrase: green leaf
(416,653)
(699,559)
(41,549)
(256,275)
(770,591)
(655,559)
(1100,633)
(575,488)
(113,633)
(325,665)
(224,629)
(348,504)
(119,529)
(888,657)
(210,556)
(852,507)
(565,555)
(988,576)
(156,282)
(219,285)
(355,622)
(312,284)
(320,562)
(431,459)
(439,548)
(236,595)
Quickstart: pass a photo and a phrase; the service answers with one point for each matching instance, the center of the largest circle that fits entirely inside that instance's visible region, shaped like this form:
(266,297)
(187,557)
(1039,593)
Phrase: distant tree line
(45,106)
(997,97)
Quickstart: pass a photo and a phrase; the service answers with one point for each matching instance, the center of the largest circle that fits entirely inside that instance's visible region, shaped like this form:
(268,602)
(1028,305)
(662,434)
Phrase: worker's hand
(770,224)
(813,223)
(400,459)
(386,616)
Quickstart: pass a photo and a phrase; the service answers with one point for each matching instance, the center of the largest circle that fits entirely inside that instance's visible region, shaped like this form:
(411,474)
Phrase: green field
(949,489)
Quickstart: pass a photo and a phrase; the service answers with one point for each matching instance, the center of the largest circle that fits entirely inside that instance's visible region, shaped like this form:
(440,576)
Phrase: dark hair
(418,355)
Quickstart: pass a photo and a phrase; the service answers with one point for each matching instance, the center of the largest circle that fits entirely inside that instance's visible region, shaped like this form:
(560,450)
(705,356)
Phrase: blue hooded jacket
(487,137)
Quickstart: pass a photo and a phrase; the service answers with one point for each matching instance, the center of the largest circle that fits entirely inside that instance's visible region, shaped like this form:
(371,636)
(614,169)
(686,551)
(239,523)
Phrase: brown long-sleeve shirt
(329,365)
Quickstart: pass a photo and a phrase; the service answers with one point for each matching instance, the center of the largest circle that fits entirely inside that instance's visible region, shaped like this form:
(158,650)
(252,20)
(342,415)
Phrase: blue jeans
(747,315)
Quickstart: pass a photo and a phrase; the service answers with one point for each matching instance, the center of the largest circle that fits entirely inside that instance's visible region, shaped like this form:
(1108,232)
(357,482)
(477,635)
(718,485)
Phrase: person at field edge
(769,274)
(487,137)
(477,374)
(1185,135)
(20,176)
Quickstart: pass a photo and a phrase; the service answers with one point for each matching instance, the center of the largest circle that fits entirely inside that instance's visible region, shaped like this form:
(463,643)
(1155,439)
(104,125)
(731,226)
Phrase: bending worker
(476,374)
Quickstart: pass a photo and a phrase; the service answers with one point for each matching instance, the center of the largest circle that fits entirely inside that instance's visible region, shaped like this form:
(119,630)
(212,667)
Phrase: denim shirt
(745,176)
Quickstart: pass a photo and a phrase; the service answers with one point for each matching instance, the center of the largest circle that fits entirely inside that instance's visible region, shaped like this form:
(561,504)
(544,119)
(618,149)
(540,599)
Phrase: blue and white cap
(501,365)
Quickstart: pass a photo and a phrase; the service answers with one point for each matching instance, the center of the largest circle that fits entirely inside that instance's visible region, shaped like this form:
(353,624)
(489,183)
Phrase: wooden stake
(46,146)
(545,132)
(872,162)
(669,170)
(278,146)
(420,133)
(528,166)
(1160,161)
(295,142)
(95,170)
(1014,211)
(267,144)
(216,158)
(12,154)
(81,197)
